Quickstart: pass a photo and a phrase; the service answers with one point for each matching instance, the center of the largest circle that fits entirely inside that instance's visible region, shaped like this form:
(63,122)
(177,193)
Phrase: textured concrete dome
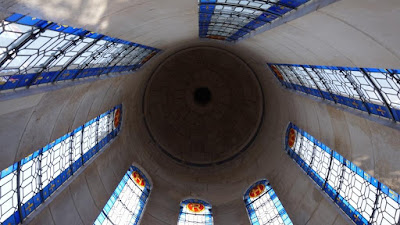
(203,106)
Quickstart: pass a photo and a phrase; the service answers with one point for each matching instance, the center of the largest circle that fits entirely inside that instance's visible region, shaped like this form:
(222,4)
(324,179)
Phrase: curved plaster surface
(346,33)
(223,186)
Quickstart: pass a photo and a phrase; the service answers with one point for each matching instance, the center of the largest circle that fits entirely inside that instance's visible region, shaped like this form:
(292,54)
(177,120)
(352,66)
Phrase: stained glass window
(35,51)
(28,183)
(195,212)
(362,197)
(373,91)
(127,202)
(263,205)
(230,20)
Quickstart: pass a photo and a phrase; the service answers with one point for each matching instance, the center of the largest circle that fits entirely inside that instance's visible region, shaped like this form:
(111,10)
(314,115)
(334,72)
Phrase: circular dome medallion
(203,106)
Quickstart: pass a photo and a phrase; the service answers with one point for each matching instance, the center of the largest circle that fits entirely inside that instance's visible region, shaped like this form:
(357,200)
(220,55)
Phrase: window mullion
(33,35)
(19,190)
(316,85)
(349,77)
(373,215)
(290,77)
(312,158)
(329,171)
(81,147)
(135,56)
(112,115)
(393,75)
(97,132)
(108,123)
(298,78)
(83,50)
(56,56)
(71,153)
(341,178)
(379,92)
(40,174)
(116,56)
(95,56)
(278,4)
(325,84)
(301,144)
(109,220)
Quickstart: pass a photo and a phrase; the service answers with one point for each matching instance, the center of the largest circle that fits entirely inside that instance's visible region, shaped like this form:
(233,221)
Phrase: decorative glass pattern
(374,91)
(263,205)
(35,51)
(362,197)
(126,204)
(195,212)
(28,183)
(230,20)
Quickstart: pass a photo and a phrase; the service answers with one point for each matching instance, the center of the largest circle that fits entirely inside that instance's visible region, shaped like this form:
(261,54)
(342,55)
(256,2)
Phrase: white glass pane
(8,196)
(29,185)
(76,146)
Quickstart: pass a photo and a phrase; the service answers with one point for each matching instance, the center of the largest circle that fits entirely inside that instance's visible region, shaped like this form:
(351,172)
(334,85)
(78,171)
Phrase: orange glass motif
(117,117)
(277,72)
(257,190)
(147,58)
(195,207)
(216,37)
(138,179)
(292,137)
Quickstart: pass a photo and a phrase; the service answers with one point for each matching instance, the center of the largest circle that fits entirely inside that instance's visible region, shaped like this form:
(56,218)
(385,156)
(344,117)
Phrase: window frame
(278,209)
(117,197)
(208,218)
(340,171)
(231,20)
(37,52)
(33,183)
(374,91)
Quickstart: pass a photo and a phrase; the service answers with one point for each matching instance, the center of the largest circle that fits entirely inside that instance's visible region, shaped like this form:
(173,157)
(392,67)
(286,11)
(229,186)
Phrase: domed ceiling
(203,106)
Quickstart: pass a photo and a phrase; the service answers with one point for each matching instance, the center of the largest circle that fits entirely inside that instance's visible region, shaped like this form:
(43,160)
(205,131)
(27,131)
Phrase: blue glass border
(374,109)
(29,206)
(208,217)
(206,10)
(26,80)
(352,213)
(280,9)
(274,198)
(115,195)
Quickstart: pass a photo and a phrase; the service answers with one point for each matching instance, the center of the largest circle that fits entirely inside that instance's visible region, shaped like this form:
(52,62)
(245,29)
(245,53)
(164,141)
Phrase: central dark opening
(202,96)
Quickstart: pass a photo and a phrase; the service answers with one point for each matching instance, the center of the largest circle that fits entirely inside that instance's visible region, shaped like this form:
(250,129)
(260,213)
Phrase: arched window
(362,197)
(195,212)
(263,206)
(126,204)
(29,182)
(35,51)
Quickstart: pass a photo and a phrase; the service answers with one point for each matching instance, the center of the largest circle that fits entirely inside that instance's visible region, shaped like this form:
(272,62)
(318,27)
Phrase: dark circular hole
(202,96)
